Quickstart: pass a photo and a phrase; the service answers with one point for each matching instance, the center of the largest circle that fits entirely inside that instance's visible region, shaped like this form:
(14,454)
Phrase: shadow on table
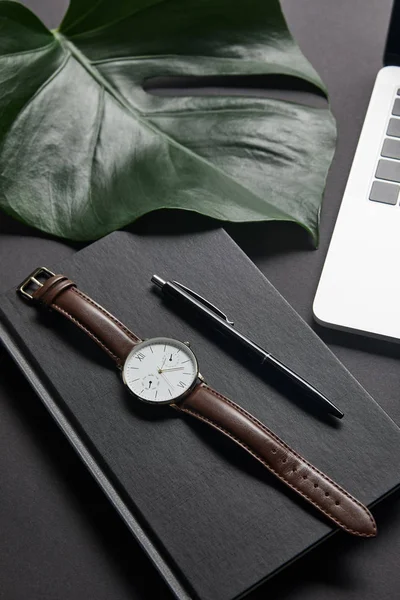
(270,238)
(256,239)
(331,564)
(355,341)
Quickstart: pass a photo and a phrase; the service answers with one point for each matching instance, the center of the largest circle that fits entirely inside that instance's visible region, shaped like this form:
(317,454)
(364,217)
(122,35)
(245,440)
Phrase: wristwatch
(165,371)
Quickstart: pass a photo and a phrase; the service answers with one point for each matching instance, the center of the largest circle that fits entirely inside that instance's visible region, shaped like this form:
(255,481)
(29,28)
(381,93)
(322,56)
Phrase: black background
(60,539)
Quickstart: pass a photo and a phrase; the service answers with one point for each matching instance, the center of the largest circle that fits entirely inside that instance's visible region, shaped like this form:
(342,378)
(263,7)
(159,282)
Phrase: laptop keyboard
(387,176)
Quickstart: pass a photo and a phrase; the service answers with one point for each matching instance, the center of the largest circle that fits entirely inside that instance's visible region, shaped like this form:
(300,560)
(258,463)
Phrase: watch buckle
(33,278)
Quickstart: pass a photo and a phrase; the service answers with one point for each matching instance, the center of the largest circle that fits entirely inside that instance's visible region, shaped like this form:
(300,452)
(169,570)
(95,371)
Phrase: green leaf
(85,149)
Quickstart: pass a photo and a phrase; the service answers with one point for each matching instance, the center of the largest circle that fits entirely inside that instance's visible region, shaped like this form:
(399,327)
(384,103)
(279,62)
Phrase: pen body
(253,350)
(174,292)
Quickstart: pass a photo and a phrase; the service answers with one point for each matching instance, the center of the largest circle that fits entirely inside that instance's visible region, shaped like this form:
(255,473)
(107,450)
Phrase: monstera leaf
(86,148)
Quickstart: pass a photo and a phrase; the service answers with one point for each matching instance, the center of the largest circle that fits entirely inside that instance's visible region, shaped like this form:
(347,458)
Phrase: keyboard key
(384,192)
(391,148)
(394,128)
(396,107)
(388,169)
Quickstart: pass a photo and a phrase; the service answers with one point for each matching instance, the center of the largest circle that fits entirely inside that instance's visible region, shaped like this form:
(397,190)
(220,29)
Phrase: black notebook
(212,519)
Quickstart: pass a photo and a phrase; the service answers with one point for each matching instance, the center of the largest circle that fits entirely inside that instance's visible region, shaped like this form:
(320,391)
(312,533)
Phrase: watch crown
(187,344)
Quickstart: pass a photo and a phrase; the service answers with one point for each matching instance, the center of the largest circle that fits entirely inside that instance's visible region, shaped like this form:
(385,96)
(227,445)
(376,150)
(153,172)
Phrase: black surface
(392,50)
(217,516)
(72,546)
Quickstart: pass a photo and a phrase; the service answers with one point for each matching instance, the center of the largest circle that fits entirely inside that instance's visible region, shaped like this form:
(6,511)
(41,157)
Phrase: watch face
(160,370)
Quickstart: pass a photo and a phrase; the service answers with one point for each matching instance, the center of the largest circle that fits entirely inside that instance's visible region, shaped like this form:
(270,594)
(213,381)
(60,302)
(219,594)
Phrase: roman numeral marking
(181,384)
(140,356)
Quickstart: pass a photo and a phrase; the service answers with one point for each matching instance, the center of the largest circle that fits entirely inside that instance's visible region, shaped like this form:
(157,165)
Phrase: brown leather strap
(291,468)
(61,294)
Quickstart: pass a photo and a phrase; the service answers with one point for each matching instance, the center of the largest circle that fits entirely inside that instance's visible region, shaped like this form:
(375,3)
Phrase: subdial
(150,382)
(172,359)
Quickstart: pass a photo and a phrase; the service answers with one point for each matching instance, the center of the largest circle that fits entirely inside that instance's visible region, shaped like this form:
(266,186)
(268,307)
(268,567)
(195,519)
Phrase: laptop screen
(392,50)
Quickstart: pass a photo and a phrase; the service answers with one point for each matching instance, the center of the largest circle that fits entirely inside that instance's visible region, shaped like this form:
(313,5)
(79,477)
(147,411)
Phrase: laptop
(359,288)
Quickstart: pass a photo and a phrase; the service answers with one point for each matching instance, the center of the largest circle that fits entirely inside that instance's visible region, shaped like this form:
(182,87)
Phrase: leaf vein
(116,21)
(25,52)
(40,90)
(83,16)
(96,135)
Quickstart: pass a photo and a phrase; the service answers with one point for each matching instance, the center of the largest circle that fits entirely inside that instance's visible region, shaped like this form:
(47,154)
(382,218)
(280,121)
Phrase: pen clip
(204,301)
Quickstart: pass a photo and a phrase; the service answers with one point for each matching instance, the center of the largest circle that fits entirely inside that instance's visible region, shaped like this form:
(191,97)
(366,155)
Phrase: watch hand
(160,369)
(172,369)
(166,379)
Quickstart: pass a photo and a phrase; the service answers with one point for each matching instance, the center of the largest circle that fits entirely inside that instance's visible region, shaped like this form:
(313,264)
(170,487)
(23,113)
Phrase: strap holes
(273,450)
(337,502)
(315,485)
(283,460)
(326,494)
(304,476)
(294,469)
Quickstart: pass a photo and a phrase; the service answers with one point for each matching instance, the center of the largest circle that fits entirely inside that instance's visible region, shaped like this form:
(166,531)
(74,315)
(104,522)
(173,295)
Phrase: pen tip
(338,413)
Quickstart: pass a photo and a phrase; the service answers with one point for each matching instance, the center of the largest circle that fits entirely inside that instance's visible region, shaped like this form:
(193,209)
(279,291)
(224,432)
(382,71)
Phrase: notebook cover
(213,520)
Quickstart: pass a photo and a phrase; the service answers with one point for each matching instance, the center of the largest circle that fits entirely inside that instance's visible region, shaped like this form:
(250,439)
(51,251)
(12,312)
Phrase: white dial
(160,370)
